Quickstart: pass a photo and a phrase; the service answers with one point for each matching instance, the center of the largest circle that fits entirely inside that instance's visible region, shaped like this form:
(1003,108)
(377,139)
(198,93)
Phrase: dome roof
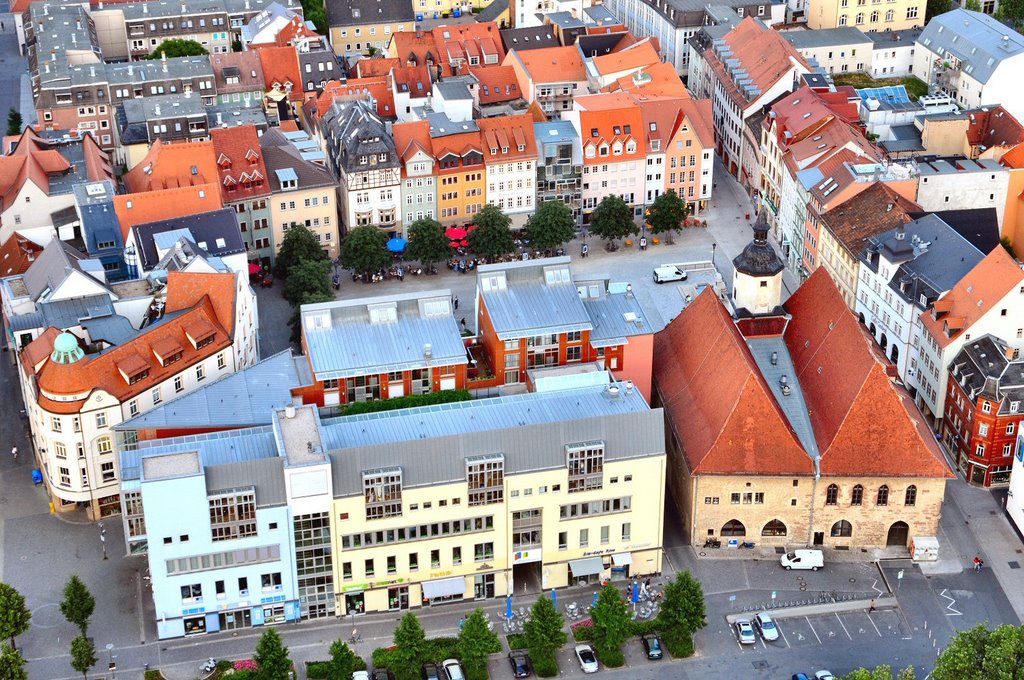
(66,349)
(759,258)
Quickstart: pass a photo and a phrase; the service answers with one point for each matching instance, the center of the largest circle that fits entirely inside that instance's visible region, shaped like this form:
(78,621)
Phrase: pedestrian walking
(2,26)
(455,302)
(977,563)
(584,250)
(14,453)
(872,607)
(643,243)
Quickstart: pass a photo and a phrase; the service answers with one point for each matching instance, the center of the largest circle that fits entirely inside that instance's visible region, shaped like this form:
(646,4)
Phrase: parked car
(769,631)
(799,676)
(745,632)
(453,669)
(668,272)
(652,646)
(588,661)
(824,675)
(803,559)
(383,674)
(520,662)
(430,671)
(360,675)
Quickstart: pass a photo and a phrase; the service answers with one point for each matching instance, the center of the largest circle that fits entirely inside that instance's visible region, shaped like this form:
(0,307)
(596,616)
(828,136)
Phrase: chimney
(289,411)
(157,110)
(775,358)
(428,351)
(888,207)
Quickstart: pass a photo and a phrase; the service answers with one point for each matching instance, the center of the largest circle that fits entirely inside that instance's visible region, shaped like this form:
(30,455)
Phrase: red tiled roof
(169,166)
(34,159)
(508,132)
(416,80)
(381,66)
(1014,158)
(497,84)
(764,54)
(417,48)
(153,206)
(17,254)
(462,41)
(873,211)
(552,64)
(281,66)
(410,137)
(864,423)
(974,295)
(295,29)
(994,127)
(607,113)
(698,115)
(658,79)
(377,87)
(241,171)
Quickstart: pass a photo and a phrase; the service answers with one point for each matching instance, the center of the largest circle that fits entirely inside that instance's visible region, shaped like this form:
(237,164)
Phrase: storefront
(398,598)
(355,603)
(621,563)
(585,571)
(444,590)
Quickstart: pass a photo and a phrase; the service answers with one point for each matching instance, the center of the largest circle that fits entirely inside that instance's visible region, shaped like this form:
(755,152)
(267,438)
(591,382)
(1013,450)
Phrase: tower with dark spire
(757,277)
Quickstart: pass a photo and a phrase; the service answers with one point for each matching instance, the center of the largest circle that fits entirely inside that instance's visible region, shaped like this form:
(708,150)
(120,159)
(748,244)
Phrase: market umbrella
(454,244)
(470,228)
(554,598)
(594,604)
(636,592)
(254,268)
(455,233)
(397,244)
(508,607)
(464,242)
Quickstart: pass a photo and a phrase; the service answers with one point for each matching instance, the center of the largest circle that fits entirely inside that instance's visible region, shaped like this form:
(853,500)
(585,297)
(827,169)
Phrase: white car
(588,661)
(360,675)
(668,272)
(745,632)
(453,669)
(824,675)
(764,623)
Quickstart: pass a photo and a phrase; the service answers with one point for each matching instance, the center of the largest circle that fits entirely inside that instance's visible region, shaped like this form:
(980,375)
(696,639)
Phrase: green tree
(551,226)
(272,657)
(1012,11)
(1007,245)
(343,660)
(14,124)
(882,672)
(667,213)
(937,7)
(78,603)
(612,219)
(427,242)
(612,625)
(544,636)
(476,640)
(492,237)
(308,277)
(982,653)
(299,244)
(682,613)
(972,5)
(177,47)
(410,647)
(365,250)
(12,664)
(14,615)
(83,655)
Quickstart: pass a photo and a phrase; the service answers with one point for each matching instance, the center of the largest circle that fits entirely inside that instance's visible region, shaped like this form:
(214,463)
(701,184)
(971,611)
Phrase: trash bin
(37,477)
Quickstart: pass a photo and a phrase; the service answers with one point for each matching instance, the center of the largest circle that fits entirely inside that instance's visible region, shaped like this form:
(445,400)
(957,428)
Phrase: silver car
(588,660)
(745,632)
(764,624)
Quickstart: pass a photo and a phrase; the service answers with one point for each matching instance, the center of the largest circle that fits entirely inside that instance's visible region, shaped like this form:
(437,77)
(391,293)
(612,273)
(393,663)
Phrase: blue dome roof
(66,349)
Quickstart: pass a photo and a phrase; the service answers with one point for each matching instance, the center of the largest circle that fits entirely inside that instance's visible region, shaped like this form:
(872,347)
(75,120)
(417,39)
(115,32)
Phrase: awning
(444,587)
(587,566)
(622,559)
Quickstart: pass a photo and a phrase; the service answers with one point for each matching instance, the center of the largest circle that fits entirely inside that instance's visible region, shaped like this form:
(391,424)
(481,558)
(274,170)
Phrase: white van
(668,272)
(803,559)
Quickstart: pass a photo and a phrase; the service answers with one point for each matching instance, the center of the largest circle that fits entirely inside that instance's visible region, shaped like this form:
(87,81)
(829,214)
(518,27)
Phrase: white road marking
(952,601)
(844,626)
(783,635)
(812,629)
(875,627)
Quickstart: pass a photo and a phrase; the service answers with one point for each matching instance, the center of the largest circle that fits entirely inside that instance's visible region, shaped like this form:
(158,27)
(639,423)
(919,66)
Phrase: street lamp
(713,246)
(103,539)
(111,666)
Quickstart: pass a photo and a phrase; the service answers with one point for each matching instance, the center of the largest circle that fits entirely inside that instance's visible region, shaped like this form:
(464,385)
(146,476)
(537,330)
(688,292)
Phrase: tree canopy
(83,655)
(298,244)
(667,213)
(12,664)
(14,615)
(14,124)
(343,660)
(551,226)
(410,646)
(427,242)
(492,237)
(682,613)
(78,603)
(1012,11)
(612,219)
(544,635)
(309,277)
(177,47)
(365,251)
(613,624)
(936,7)
(881,673)
(271,657)
(980,653)
(476,640)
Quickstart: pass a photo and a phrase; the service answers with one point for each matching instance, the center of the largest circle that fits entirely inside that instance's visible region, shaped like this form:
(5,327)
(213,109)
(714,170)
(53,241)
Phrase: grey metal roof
(114,329)
(441,125)
(523,303)
(793,404)
(51,267)
(494,10)
(356,138)
(161,107)
(279,152)
(363,12)
(825,37)
(216,232)
(529,38)
(134,72)
(452,91)
(600,14)
(886,40)
(215,448)
(976,39)
(266,475)
(531,430)
(555,132)
(615,313)
(349,344)
(246,398)
(984,369)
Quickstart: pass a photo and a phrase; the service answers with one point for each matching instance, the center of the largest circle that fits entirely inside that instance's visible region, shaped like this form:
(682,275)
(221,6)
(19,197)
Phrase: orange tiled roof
(610,117)
(380,66)
(873,211)
(168,166)
(994,127)
(418,48)
(698,115)
(415,79)
(34,159)
(281,66)
(242,174)
(658,79)
(635,56)
(974,295)
(458,144)
(504,136)
(288,126)
(377,87)
(17,254)
(659,115)
(296,28)
(410,137)
(464,41)
(764,54)
(153,206)
(553,64)
(1014,158)
(497,84)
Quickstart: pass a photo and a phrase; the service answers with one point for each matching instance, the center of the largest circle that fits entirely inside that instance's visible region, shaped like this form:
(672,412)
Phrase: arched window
(860,18)
(883,341)
(774,528)
(842,20)
(860,317)
(857,497)
(883,495)
(894,355)
(874,17)
(734,527)
(104,445)
(832,495)
(842,529)
(890,15)
(872,329)
(911,497)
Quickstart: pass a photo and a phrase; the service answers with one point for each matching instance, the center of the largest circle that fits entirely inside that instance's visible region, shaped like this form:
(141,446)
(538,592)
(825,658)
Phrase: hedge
(409,401)
(436,649)
(516,641)
(321,670)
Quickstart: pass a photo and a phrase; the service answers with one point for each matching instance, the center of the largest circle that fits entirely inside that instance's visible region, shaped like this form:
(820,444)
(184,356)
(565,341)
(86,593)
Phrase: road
(13,71)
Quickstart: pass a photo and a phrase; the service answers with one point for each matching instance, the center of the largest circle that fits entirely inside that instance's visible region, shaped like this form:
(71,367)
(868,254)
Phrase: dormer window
(522,147)
(363,160)
(593,132)
(138,377)
(617,130)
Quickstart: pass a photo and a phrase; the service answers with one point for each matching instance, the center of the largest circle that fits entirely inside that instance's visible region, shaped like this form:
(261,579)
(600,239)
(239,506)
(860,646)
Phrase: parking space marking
(812,629)
(874,626)
(844,626)
(783,634)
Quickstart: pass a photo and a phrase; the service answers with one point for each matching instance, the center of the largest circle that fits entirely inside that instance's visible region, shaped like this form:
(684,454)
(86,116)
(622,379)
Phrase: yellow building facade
(867,15)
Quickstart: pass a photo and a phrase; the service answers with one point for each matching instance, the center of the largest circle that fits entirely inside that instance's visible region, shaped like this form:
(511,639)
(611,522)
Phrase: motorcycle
(209,666)
(712,543)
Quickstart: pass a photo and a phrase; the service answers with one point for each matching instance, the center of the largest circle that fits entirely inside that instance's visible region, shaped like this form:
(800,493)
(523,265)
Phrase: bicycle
(355,637)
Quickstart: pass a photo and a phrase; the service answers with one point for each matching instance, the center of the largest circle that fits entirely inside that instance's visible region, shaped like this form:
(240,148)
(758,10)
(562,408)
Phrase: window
(200,372)
(483,551)
(104,445)
(55,424)
(178,384)
(155,393)
(911,496)
(456,556)
(563,540)
(832,495)
(883,495)
(382,490)
(842,529)
(986,407)
(1009,428)
(980,450)
(346,571)
(233,515)
(392,565)
(271,581)
(101,420)
(192,593)
(133,407)
(586,466)
(368,568)
(222,361)
(983,430)
(857,497)
(60,450)
(584,538)
(76,424)
(734,498)
(243,585)
(414,561)
(774,528)
(107,470)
